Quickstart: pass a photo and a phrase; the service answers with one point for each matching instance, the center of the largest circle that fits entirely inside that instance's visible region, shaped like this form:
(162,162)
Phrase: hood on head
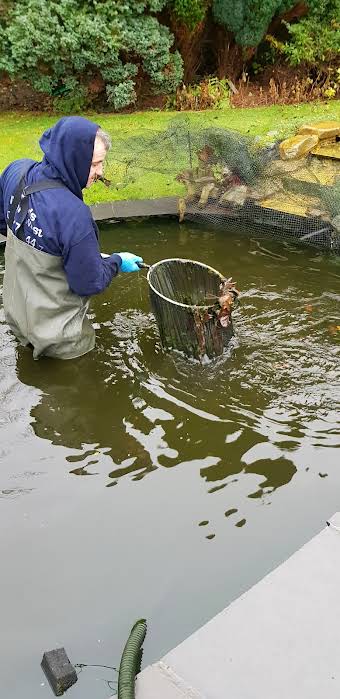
(68,149)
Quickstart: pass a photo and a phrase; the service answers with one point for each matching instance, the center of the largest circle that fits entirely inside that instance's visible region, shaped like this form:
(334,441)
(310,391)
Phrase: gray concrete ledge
(134,208)
(130,208)
(280,640)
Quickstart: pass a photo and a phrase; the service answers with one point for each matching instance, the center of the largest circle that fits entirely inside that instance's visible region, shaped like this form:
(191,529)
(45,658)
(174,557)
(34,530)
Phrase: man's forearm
(87,272)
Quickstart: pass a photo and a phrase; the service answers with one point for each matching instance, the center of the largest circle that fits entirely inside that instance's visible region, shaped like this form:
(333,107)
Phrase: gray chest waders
(39,306)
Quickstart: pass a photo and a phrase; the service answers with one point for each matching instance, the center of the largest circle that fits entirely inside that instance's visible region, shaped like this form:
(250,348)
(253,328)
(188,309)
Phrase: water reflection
(252,412)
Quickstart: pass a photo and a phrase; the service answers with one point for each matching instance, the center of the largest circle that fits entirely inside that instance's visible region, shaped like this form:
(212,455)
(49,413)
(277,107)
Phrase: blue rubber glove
(129,262)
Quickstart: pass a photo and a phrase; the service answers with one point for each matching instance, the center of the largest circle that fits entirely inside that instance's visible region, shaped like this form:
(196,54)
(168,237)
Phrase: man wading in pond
(52,260)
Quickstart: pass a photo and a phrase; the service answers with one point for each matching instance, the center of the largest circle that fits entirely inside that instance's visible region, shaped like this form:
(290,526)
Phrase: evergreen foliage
(61,46)
(189,12)
(248,20)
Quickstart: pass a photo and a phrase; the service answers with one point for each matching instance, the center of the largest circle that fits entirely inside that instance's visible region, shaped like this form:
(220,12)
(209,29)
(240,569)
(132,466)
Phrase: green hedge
(65,47)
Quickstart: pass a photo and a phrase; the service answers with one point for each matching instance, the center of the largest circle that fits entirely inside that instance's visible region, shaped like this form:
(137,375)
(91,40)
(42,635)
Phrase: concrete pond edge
(129,208)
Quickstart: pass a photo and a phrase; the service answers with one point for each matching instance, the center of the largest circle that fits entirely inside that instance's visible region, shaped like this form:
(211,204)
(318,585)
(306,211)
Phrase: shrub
(189,12)
(61,46)
(316,38)
(211,93)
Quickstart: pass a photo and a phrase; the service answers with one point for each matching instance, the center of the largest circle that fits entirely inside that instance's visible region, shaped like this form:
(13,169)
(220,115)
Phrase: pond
(139,483)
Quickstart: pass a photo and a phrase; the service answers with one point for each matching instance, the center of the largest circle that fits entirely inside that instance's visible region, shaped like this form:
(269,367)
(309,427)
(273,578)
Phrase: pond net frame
(192,303)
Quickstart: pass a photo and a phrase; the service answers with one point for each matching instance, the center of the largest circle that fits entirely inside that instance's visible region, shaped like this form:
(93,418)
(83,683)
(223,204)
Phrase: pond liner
(185,297)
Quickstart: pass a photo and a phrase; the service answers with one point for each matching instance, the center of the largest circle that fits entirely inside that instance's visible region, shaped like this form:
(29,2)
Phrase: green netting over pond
(289,189)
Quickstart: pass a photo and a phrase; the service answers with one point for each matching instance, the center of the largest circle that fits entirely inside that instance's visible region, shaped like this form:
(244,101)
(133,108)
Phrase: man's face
(96,169)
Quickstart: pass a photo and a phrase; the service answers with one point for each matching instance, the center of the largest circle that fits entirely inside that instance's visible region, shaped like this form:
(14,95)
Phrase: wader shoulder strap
(42,185)
(20,202)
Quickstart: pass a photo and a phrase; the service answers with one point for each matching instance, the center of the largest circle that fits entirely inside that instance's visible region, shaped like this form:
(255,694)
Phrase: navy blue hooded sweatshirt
(58,221)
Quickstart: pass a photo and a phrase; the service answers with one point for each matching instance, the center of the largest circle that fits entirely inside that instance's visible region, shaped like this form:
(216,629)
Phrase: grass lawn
(20,133)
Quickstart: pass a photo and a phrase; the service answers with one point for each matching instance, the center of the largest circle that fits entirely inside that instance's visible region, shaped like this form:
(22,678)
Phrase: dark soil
(19,95)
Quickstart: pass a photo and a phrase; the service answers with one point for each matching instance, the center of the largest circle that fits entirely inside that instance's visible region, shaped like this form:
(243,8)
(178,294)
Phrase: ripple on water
(249,411)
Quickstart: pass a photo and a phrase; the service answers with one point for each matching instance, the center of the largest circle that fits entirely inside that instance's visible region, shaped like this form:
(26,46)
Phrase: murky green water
(137,483)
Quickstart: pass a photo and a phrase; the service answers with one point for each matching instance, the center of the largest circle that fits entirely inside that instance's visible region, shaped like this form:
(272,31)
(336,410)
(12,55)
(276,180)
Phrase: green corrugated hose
(131,660)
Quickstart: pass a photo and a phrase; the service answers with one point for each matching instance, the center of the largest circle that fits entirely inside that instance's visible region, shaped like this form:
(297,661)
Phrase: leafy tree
(63,47)
(248,20)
